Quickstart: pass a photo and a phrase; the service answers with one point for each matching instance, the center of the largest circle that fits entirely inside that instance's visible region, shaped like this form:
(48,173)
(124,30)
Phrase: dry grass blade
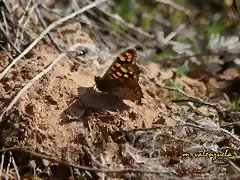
(30,83)
(199,100)
(15,166)
(28,11)
(177,6)
(8,39)
(211,129)
(43,23)
(8,168)
(47,30)
(2,162)
(85,168)
(173,34)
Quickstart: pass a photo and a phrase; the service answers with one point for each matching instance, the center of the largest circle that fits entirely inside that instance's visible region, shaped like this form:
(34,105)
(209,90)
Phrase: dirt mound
(50,117)
(64,128)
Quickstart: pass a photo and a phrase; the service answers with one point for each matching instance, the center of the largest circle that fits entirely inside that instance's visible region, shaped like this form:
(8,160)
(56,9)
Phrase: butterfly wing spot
(126,76)
(113,68)
(118,65)
(129,57)
(119,74)
(124,70)
(131,70)
(114,76)
(122,58)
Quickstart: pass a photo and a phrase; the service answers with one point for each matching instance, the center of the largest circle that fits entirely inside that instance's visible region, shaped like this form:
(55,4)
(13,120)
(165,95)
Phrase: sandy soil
(50,118)
(63,116)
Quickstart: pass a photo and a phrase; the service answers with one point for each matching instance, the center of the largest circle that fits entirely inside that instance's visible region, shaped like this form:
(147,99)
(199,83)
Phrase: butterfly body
(122,77)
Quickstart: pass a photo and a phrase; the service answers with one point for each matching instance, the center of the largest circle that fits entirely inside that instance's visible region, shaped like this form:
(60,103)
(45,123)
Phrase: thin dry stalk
(47,30)
(85,168)
(196,99)
(128,25)
(44,24)
(29,13)
(21,21)
(2,162)
(8,39)
(233,165)
(208,128)
(173,34)
(6,25)
(15,166)
(177,6)
(8,168)
(30,83)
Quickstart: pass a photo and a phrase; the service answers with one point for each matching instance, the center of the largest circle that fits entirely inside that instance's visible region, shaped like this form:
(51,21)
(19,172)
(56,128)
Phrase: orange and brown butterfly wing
(122,76)
(126,58)
(126,92)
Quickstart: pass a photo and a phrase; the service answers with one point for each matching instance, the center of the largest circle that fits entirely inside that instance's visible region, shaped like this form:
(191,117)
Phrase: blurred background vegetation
(203,19)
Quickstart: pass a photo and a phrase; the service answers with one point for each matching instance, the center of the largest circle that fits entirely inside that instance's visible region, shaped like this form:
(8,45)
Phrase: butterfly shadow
(90,100)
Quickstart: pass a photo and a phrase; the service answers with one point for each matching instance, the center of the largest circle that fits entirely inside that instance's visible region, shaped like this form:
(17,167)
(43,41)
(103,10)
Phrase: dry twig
(208,128)
(8,39)
(177,6)
(192,98)
(44,24)
(2,162)
(15,166)
(85,168)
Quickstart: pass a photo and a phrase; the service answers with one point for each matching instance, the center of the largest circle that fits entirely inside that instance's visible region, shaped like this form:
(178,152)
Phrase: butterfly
(121,78)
